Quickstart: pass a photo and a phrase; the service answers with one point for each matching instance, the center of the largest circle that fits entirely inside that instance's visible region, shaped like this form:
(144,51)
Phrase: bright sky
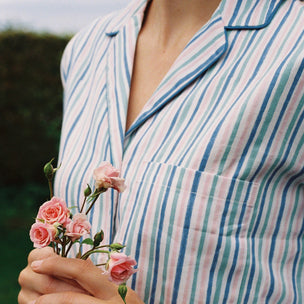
(57,16)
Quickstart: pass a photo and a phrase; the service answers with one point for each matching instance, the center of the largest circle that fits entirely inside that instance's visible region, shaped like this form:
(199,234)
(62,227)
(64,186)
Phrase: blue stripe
(92,151)
(81,111)
(81,49)
(281,210)
(126,58)
(251,12)
(138,146)
(236,11)
(219,243)
(237,243)
(82,148)
(138,245)
(183,245)
(159,237)
(296,259)
(121,129)
(276,231)
(171,127)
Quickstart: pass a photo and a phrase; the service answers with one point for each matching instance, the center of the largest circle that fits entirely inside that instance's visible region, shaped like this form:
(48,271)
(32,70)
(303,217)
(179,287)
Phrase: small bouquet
(56,226)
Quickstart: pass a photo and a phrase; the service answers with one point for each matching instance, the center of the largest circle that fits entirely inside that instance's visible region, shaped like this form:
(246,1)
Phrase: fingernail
(36,265)
(32,302)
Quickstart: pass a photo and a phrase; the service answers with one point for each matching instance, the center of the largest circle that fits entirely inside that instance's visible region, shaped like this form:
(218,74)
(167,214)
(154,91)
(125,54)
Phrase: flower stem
(50,187)
(92,204)
(69,248)
(57,248)
(64,243)
(88,253)
(82,206)
(102,264)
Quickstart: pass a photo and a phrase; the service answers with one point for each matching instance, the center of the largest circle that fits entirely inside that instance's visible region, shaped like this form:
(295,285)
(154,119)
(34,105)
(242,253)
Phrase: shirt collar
(236,14)
(248,14)
(135,9)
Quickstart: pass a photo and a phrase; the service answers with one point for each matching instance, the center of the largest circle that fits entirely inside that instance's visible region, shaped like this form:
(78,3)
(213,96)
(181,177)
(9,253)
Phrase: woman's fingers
(26,296)
(43,253)
(88,276)
(32,282)
(43,284)
(38,254)
(68,298)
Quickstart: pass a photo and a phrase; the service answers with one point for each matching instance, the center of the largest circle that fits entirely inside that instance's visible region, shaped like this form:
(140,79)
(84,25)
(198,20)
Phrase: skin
(167,28)
(49,278)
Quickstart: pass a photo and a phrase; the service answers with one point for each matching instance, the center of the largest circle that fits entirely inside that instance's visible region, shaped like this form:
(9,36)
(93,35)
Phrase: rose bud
(87,191)
(49,170)
(106,176)
(117,246)
(98,238)
(122,290)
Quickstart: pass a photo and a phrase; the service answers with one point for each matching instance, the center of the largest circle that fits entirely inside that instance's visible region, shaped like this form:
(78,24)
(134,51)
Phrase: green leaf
(40,220)
(88,241)
(72,207)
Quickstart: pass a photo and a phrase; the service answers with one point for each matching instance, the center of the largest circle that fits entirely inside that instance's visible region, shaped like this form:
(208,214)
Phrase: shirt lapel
(119,70)
(205,48)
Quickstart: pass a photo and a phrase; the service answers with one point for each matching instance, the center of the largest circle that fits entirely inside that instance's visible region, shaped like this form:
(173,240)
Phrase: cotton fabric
(214,164)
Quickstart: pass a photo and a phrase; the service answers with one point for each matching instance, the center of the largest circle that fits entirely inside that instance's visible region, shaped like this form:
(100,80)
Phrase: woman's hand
(74,281)
(33,285)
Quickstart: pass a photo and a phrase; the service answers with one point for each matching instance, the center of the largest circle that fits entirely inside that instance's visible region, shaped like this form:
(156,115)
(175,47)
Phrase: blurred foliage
(30,103)
(31,114)
(19,208)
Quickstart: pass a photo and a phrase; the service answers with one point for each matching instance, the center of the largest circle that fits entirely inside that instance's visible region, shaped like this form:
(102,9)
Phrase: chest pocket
(174,217)
(169,202)
(194,200)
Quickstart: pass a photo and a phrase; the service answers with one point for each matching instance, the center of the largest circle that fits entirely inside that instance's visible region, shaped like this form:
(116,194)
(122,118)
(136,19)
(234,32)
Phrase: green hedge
(31,114)
(30,104)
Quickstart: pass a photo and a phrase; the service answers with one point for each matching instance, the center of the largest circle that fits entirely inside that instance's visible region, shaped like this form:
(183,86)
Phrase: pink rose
(78,227)
(54,211)
(106,176)
(120,267)
(42,234)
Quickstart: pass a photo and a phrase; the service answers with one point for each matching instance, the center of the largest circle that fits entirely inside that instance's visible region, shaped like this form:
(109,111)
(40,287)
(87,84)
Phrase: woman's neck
(169,20)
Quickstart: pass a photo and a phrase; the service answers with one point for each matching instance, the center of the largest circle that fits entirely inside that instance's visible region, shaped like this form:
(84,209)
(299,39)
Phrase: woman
(208,135)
